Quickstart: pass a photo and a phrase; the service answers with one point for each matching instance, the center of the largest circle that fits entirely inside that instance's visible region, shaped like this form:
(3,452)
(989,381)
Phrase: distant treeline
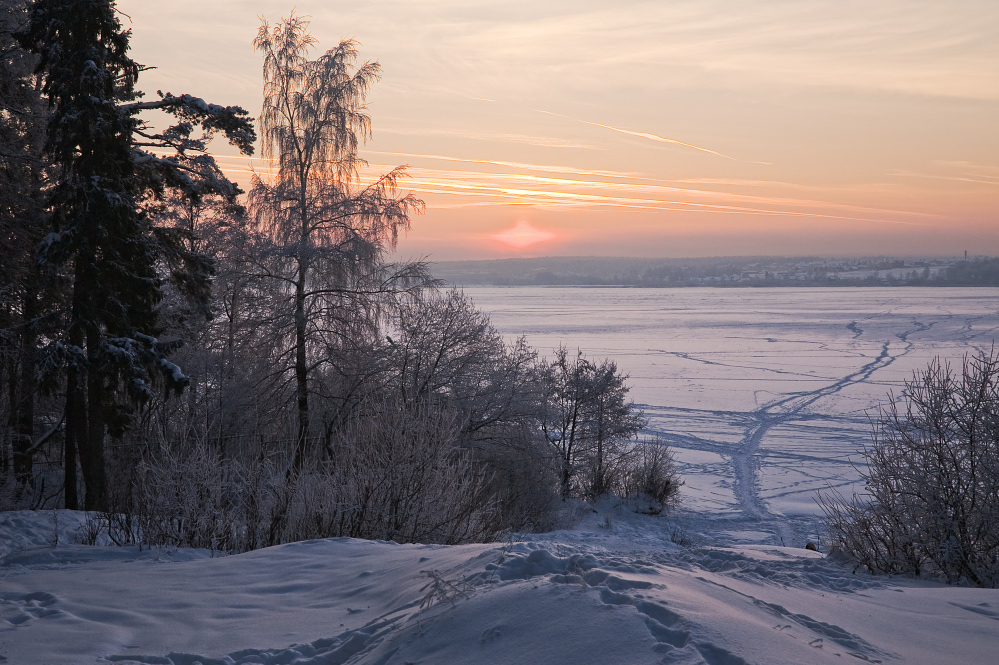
(723,271)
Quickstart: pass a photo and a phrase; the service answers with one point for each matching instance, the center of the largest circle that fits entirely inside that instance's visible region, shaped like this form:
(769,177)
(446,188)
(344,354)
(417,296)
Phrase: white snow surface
(613,589)
(764,395)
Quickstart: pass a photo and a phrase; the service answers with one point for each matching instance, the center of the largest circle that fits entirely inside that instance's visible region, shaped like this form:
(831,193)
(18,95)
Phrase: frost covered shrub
(524,482)
(395,474)
(190,497)
(42,492)
(648,476)
(399,474)
(931,499)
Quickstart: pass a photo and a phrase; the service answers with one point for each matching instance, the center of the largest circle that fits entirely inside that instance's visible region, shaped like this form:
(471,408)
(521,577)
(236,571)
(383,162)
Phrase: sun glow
(522,235)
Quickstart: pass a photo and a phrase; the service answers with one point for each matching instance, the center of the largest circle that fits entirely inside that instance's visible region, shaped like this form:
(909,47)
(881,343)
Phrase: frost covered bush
(187,496)
(394,474)
(524,482)
(398,474)
(649,476)
(586,420)
(931,499)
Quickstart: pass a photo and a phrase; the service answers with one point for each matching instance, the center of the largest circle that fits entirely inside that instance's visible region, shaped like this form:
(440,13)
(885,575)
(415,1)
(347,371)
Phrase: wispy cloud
(981,179)
(643,135)
(544,192)
(593,190)
(546,168)
(497,137)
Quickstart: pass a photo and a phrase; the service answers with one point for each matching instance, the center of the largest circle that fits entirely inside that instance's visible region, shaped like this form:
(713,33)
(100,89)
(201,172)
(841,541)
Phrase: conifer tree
(101,236)
(23,224)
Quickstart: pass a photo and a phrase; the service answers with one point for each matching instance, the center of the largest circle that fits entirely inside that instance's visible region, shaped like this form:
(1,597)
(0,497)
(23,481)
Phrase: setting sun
(522,235)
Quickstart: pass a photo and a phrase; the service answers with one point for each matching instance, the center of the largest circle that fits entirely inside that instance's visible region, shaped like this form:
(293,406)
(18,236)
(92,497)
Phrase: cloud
(498,137)
(981,179)
(643,135)
(547,168)
(478,188)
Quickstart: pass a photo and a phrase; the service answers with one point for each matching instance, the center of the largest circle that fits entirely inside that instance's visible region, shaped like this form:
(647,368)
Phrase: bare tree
(327,233)
(585,416)
(931,500)
(445,347)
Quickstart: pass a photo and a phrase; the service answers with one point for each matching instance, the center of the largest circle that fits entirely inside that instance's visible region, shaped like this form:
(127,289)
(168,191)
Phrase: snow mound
(587,596)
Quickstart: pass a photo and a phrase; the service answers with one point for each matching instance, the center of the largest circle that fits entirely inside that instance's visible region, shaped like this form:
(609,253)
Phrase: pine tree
(102,236)
(23,224)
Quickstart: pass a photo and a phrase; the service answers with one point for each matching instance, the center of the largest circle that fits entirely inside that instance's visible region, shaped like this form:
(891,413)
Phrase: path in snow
(746,457)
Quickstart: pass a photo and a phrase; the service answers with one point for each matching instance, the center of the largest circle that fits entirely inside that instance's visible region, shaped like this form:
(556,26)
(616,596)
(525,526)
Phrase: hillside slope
(614,589)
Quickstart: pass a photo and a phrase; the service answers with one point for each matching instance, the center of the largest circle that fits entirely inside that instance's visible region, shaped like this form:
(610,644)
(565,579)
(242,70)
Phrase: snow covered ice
(764,395)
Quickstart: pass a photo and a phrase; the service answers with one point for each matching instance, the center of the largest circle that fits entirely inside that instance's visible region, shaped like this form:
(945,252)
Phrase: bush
(649,476)
(396,473)
(931,500)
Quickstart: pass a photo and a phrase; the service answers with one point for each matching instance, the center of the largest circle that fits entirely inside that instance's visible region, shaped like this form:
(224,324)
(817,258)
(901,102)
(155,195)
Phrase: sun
(522,235)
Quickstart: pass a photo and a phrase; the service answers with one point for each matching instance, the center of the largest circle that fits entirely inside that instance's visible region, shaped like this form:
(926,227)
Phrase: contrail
(644,135)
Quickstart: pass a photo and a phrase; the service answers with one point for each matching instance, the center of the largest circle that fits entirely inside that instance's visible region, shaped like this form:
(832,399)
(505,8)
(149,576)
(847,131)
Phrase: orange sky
(705,127)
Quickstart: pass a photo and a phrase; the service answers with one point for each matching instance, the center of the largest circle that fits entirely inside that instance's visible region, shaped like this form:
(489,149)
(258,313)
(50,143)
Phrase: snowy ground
(612,590)
(762,392)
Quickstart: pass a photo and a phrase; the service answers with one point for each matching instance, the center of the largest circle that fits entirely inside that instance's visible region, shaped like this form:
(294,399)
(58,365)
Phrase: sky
(660,129)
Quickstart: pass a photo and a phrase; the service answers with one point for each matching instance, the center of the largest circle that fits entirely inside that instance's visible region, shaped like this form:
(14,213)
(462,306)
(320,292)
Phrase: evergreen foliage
(23,224)
(101,236)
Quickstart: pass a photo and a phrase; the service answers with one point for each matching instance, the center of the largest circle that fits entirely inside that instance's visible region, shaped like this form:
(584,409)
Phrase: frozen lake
(765,394)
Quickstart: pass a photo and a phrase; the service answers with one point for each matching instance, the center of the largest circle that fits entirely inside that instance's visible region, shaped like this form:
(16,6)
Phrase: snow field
(611,590)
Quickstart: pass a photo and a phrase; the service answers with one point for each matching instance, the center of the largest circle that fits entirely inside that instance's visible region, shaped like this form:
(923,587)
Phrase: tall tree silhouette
(327,233)
(109,163)
(23,224)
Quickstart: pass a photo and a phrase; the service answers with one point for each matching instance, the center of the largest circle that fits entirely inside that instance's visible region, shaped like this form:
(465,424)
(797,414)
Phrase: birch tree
(327,233)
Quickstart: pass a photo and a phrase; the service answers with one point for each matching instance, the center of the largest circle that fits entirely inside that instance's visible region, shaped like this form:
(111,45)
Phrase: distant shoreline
(721,272)
(722,286)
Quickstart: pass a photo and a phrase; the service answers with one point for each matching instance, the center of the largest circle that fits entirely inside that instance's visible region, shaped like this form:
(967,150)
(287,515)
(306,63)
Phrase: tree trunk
(566,479)
(25,425)
(76,429)
(28,386)
(301,370)
(92,445)
(11,375)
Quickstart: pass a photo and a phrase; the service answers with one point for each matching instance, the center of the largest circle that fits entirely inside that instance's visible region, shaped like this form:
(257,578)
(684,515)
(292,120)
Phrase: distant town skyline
(697,128)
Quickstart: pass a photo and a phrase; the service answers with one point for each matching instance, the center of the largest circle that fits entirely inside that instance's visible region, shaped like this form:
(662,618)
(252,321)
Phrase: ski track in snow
(745,455)
(713,349)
